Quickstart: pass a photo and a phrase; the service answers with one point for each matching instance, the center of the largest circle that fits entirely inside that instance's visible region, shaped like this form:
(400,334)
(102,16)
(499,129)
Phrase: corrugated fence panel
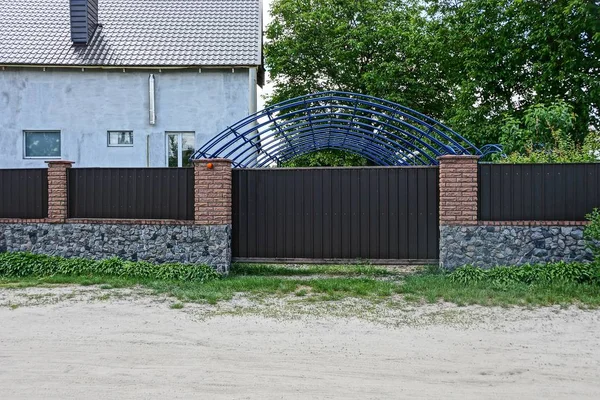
(24,193)
(336,213)
(131,193)
(538,192)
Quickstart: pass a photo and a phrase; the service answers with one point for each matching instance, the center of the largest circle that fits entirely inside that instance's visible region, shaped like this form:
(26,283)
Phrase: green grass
(431,288)
(330,283)
(331,288)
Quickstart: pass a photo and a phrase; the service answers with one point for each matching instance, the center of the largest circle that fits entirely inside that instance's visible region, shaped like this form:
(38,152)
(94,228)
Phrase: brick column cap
(60,162)
(213,160)
(459,156)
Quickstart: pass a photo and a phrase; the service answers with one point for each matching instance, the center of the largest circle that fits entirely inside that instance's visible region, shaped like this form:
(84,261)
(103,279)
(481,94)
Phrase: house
(123,83)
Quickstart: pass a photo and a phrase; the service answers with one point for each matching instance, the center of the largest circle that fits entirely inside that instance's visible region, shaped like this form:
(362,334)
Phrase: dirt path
(73,343)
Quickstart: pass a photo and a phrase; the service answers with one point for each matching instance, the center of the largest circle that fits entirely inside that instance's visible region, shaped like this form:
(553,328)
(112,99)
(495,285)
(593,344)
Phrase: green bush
(592,232)
(17,265)
(467,274)
(558,272)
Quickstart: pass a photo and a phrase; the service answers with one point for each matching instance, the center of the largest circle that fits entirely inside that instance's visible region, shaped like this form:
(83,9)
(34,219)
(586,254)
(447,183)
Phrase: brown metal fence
(24,193)
(336,213)
(131,193)
(538,192)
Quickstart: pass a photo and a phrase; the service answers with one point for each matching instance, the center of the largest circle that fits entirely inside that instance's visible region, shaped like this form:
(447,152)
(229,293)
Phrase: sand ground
(80,343)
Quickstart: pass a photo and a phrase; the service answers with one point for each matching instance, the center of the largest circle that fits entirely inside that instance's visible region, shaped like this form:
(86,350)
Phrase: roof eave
(166,67)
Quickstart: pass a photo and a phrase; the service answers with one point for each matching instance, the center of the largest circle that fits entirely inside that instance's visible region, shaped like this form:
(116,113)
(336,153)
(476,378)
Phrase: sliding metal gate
(380,214)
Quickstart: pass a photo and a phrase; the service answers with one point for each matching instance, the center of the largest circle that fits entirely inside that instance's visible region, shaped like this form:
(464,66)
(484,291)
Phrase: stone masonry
(202,244)
(489,246)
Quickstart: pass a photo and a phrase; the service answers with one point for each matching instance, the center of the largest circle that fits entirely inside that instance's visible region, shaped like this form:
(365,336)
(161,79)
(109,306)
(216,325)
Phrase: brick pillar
(212,192)
(57,190)
(458,190)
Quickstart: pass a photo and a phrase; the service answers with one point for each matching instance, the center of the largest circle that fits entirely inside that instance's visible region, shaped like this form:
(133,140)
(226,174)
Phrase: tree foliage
(541,125)
(507,55)
(326,158)
(373,47)
(545,135)
(470,63)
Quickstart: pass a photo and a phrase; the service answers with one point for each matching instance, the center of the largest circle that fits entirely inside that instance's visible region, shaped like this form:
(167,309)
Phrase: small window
(42,144)
(120,138)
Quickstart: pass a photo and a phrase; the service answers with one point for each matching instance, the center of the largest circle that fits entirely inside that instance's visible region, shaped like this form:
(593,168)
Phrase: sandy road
(138,348)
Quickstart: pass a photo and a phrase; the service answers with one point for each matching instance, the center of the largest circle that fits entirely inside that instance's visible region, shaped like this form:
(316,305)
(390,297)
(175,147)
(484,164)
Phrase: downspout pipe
(152,101)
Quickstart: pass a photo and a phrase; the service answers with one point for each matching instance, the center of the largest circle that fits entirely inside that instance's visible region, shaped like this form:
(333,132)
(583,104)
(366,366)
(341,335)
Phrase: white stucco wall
(85,105)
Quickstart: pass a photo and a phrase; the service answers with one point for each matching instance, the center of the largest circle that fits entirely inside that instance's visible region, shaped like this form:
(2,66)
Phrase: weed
(19,265)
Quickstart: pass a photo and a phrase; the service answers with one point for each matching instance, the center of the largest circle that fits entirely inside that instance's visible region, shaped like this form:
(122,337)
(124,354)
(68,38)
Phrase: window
(180,147)
(120,138)
(41,144)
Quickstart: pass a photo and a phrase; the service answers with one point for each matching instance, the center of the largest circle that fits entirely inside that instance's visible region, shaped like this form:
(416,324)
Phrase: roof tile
(134,33)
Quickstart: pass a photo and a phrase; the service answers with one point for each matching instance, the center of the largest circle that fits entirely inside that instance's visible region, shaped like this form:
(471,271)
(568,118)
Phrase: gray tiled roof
(134,33)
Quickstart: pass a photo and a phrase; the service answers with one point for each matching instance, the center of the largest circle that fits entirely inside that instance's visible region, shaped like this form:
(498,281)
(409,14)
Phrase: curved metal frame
(385,133)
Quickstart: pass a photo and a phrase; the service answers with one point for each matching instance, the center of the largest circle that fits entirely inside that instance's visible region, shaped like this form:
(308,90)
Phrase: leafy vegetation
(592,232)
(544,135)
(487,68)
(18,265)
(552,273)
(326,158)
(558,283)
(432,288)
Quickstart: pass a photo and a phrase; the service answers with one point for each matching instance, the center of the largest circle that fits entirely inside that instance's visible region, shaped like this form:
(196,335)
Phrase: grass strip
(326,284)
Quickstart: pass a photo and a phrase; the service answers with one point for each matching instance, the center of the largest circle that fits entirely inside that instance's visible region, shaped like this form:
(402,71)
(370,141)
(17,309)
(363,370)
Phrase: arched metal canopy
(383,132)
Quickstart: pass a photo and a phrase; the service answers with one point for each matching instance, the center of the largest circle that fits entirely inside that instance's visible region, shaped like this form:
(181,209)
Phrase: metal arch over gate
(386,133)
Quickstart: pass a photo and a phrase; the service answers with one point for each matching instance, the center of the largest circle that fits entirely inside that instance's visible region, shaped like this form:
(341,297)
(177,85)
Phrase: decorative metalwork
(383,132)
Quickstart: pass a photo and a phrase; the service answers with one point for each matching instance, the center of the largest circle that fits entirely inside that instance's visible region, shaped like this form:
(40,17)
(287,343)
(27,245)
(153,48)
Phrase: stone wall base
(490,246)
(202,244)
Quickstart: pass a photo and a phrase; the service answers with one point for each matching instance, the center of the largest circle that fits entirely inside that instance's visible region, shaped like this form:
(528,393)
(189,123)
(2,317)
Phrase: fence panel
(336,213)
(538,192)
(24,193)
(131,193)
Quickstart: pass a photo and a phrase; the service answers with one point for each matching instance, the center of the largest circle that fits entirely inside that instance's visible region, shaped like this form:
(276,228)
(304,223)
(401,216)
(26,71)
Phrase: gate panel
(320,214)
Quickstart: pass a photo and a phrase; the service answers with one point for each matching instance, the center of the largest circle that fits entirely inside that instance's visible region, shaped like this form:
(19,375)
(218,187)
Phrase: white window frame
(119,145)
(26,157)
(179,145)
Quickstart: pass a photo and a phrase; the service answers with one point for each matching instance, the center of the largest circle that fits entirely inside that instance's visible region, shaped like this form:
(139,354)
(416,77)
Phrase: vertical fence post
(458,190)
(57,190)
(212,192)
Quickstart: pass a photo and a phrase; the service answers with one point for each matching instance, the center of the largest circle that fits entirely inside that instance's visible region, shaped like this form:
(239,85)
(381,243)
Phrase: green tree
(542,125)
(503,56)
(326,158)
(469,63)
(545,134)
(375,47)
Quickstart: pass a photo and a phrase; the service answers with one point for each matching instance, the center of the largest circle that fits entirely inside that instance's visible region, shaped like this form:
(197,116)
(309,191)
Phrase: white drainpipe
(152,99)
(252,91)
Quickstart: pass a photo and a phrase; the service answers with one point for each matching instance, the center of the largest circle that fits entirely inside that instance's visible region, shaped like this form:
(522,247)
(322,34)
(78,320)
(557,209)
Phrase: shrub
(467,275)
(592,232)
(558,272)
(18,265)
